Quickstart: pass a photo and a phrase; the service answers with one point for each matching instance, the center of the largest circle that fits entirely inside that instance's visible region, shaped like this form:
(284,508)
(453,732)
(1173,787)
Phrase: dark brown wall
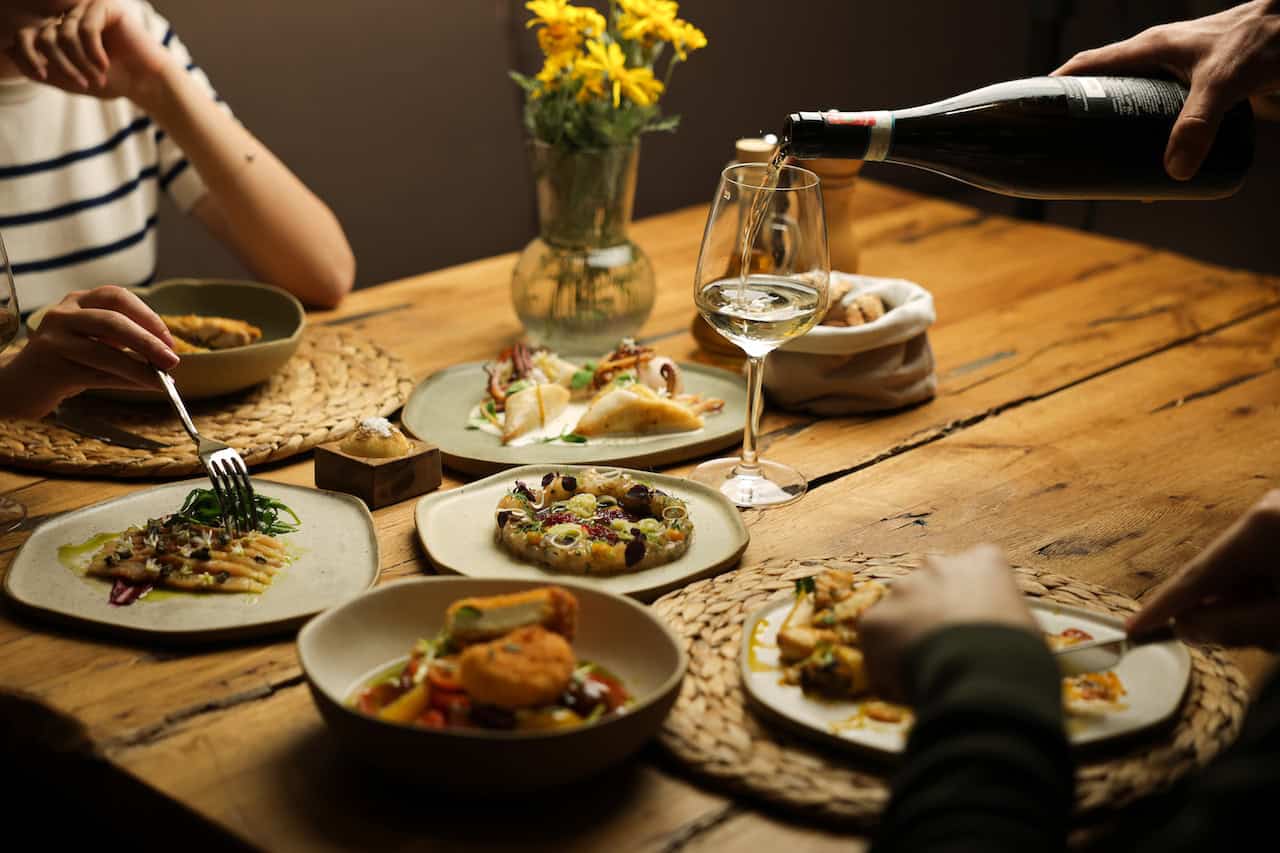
(399,113)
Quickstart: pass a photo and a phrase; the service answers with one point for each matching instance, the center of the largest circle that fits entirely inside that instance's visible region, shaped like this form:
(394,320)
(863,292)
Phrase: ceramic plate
(457,531)
(336,558)
(277,313)
(439,407)
(343,648)
(1154,675)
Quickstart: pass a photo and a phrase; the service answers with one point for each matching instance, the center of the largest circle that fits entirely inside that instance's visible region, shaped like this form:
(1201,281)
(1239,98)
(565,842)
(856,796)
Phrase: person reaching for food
(101,107)
(101,338)
(987,765)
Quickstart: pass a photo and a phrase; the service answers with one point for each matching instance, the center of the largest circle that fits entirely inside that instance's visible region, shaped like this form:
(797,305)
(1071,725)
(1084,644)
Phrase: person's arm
(987,766)
(1224,58)
(254,204)
(81,344)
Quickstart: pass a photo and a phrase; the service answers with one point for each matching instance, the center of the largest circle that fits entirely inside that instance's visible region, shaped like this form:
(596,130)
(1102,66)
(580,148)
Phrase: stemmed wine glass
(11,512)
(761,280)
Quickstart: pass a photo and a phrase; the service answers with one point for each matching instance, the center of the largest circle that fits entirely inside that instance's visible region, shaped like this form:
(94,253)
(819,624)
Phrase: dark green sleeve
(987,765)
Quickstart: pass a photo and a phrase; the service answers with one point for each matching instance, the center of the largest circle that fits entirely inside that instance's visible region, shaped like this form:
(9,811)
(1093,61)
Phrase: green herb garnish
(467,611)
(805,585)
(518,386)
(569,437)
(202,507)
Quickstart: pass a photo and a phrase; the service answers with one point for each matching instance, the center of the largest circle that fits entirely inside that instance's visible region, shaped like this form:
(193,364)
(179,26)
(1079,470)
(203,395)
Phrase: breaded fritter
(527,668)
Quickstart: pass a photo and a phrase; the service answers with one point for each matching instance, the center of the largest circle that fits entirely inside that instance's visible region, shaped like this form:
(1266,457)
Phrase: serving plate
(438,409)
(336,552)
(343,648)
(456,529)
(1155,676)
(276,312)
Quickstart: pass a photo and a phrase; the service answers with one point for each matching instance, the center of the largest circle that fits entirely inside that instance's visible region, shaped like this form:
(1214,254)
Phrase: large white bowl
(344,646)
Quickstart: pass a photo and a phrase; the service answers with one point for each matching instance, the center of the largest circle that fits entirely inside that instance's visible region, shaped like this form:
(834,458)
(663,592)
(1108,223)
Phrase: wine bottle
(1043,137)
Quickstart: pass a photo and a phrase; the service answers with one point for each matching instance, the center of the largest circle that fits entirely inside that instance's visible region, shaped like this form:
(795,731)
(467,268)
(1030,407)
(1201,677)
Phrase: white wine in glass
(12,513)
(761,280)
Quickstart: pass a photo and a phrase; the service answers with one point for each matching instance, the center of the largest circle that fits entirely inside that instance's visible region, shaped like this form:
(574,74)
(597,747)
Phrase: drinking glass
(759,298)
(12,512)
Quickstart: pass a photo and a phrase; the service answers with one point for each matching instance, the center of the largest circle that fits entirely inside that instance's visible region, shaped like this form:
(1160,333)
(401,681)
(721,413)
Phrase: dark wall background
(400,115)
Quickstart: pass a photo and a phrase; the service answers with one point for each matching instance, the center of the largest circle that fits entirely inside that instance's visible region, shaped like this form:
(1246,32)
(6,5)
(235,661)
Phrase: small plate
(336,553)
(199,375)
(346,646)
(457,531)
(438,408)
(1155,676)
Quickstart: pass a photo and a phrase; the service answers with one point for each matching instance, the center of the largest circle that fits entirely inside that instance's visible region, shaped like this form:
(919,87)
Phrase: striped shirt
(80,180)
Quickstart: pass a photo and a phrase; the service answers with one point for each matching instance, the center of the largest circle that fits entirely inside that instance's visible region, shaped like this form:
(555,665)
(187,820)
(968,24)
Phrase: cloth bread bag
(843,370)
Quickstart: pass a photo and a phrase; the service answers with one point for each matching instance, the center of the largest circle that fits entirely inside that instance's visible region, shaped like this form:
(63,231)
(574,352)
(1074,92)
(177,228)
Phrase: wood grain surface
(1104,409)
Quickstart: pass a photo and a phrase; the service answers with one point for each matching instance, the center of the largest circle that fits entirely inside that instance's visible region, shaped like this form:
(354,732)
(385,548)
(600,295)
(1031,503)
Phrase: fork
(226,469)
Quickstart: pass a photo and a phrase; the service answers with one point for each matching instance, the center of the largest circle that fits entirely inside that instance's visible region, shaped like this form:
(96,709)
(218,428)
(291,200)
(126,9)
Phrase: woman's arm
(254,204)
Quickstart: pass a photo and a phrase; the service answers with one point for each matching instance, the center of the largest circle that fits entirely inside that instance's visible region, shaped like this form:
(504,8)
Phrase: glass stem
(750,464)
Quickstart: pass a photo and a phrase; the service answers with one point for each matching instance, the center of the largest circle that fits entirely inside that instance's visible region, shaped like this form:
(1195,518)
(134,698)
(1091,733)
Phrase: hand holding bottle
(1223,58)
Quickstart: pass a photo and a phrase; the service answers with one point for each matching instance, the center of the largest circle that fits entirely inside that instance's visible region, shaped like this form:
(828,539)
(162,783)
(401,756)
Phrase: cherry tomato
(617,693)
(431,719)
(443,679)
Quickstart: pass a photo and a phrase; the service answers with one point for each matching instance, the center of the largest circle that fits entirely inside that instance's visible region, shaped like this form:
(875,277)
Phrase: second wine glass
(760,297)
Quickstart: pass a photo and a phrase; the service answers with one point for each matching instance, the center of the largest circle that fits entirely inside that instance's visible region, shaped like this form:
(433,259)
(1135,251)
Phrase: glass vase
(581,284)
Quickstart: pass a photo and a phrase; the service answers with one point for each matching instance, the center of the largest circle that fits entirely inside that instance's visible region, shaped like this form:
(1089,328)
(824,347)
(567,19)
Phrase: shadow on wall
(400,115)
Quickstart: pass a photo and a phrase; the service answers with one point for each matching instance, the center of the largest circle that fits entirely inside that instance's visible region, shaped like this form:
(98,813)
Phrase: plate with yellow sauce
(1154,678)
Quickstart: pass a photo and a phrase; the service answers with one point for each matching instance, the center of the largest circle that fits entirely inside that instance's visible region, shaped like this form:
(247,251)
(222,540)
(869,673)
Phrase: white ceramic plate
(1154,675)
(336,558)
(457,531)
(438,409)
(346,646)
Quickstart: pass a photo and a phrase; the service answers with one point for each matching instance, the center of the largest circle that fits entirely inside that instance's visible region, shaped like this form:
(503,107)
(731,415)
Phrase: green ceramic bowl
(211,374)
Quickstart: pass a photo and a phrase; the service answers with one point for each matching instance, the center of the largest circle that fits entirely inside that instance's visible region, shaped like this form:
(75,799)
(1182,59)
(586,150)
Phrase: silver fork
(227,471)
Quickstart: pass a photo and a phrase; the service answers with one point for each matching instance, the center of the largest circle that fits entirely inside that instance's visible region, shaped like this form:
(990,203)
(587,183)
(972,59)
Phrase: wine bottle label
(880,123)
(1123,96)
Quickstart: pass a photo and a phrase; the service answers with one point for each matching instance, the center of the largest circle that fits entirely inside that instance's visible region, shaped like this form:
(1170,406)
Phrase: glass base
(769,485)
(12,514)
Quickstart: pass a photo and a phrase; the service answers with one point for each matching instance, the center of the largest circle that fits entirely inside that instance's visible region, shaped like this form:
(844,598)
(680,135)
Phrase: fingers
(128,303)
(90,360)
(117,330)
(91,27)
(1148,51)
(69,41)
(59,63)
(27,57)
(1196,127)
(1243,623)
(1232,561)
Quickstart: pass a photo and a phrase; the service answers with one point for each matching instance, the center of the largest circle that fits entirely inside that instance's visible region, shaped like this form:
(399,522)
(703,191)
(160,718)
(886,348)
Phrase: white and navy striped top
(80,180)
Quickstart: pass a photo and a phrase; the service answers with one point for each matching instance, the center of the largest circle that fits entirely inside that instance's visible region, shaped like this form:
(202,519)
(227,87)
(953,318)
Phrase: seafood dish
(534,394)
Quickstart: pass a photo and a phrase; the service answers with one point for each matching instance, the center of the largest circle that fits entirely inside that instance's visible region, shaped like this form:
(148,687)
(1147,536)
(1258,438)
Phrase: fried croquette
(527,668)
(475,620)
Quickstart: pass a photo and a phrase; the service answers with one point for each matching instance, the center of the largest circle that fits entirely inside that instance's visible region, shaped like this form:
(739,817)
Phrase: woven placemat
(711,731)
(336,378)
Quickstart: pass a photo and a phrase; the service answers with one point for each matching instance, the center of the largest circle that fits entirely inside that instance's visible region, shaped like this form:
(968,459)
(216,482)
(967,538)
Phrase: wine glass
(12,513)
(761,280)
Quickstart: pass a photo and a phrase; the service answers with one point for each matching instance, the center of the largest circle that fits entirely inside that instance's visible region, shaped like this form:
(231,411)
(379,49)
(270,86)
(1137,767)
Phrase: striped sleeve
(177,176)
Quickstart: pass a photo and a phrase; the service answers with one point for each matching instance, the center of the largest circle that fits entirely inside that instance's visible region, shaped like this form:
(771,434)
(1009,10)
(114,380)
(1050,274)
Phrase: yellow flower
(652,21)
(563,26)
(553,70)
(687,38)
(601,62)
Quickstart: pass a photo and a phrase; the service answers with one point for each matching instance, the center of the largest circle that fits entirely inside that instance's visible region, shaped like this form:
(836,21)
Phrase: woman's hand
(97,48)
(81,344)
(974,587)
(1230,592)
(1224,58)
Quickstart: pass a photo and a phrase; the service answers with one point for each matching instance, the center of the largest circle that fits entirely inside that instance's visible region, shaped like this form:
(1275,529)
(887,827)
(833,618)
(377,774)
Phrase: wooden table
(1104,409)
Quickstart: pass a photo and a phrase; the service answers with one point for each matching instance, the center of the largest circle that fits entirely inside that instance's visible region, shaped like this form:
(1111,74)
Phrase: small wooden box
(379,482)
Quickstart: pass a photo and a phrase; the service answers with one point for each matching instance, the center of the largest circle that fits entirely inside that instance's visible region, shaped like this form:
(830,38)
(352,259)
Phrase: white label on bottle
(1124,96)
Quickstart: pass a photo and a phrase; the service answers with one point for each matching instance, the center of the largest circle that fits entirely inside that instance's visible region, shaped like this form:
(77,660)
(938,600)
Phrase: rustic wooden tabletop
(1104,409)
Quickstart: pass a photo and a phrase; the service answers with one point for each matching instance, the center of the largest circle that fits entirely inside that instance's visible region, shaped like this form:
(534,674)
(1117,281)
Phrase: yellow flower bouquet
(582,284)
(598,86)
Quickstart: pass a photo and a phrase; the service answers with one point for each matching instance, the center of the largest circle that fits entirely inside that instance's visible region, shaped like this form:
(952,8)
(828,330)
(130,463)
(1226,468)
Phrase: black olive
(258,558)
(523,490)
(569,483)
(636,498)
(503,518)
(202,554)
(548,479)
(110,561)
(636,531)
(222,577)
(635,551)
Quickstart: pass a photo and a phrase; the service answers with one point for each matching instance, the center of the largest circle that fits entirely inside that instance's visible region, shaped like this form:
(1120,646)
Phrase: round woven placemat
(711,731)
(335,379)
